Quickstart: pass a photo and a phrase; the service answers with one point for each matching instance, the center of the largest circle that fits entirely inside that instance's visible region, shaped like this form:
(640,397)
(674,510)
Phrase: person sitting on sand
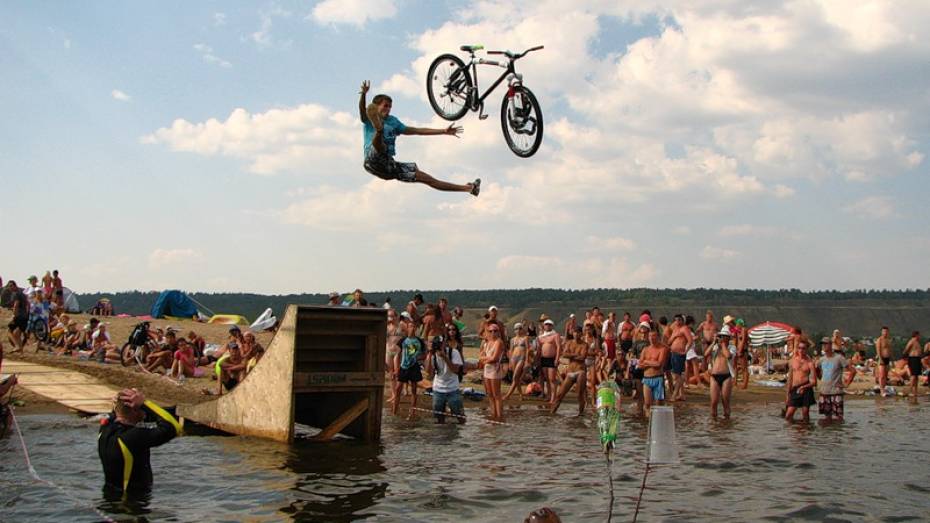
(102,346)
(252,351)
(185,361)
(380,132)
(230,368)
(162,358)
(72,339)
(574,354)
(198,344)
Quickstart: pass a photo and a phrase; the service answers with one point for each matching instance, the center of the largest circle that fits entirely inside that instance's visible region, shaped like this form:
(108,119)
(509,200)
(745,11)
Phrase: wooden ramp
(324,368)
(70,388)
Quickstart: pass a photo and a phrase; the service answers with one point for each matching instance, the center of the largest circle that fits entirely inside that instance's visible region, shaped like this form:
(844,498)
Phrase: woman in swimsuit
(493,370)
(519,359)
(598,366)
(395,333)
(721,372)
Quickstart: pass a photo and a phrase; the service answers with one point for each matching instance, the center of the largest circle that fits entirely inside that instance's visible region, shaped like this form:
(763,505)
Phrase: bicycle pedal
(483,116)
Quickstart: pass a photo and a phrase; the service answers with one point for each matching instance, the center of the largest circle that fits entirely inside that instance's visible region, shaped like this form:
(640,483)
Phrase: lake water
(755,467)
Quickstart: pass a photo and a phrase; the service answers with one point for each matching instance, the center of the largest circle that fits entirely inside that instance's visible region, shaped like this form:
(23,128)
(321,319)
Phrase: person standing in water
(914,364)
(800,385)
(830,367)
(883,355)
(721,372)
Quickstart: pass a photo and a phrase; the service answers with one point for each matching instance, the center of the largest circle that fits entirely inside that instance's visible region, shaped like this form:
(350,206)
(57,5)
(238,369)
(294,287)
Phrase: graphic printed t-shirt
(445,380)
(832,371)
(410,351)
(392,128)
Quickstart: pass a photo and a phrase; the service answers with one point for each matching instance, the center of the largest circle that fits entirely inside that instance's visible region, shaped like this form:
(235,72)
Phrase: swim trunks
(411,375)
(721,378)
(676,362)
(385,167)
(830,405)
(914,365)
(626,345)
(19,322)
(802,399)
(547,363)
(657,385)
(886,361)
(611,349)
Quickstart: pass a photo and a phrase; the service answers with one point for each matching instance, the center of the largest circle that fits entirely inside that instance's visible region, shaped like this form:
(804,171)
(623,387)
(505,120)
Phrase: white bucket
(660,442)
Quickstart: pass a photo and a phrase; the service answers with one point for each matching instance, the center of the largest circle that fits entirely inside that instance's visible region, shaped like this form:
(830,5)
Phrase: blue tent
(173,303)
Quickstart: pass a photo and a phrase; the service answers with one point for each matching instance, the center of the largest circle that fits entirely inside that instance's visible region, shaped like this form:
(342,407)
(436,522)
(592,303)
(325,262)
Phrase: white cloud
(873,207)
(67,43)
(718,253)
(783,191)
(352,12)
(519,270)
(163,257)
(615,243)
(304,138)
(262,37)
(120,95)
(401,84)
(219,19)
(206,53)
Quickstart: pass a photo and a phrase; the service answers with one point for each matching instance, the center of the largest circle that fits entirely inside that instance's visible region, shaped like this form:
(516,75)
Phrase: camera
(436,345)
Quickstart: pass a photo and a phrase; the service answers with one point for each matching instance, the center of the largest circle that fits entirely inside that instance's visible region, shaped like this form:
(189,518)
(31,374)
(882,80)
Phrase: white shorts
(691,355)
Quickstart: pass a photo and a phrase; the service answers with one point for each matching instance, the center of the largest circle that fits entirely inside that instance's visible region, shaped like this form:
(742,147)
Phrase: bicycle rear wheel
(522,122)
(40,331)
(448,87)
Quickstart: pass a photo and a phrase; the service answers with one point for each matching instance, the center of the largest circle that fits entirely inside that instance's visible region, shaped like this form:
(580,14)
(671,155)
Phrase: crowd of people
(652,360)
(44,322)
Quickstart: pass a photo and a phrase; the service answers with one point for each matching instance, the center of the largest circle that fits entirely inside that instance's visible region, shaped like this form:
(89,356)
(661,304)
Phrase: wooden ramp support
(324,368)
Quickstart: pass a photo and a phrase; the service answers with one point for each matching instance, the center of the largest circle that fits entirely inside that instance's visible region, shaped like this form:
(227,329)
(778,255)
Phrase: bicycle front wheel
(448,86)
(127,355)
(522,122)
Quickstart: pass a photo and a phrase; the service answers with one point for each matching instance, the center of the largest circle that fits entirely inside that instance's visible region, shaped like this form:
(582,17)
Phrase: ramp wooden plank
(71,388)
(342,421)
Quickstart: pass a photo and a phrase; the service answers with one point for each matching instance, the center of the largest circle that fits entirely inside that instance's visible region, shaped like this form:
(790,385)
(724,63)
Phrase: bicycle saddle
(471,48)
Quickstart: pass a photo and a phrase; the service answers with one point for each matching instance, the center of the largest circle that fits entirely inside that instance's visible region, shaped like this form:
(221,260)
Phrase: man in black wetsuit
(134,427)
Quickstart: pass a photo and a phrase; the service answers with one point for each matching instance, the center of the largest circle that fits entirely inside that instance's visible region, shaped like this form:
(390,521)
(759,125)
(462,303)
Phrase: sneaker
(476,187)
(374,116)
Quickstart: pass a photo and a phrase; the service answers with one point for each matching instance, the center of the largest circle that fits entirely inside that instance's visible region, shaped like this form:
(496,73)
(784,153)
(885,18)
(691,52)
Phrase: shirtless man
(609,333)
(665,329)
(626,330)
(491,320)
(444,311)
(432,324)
(597,317)
(574,355)
(708,329)
(413,309)
(381,130)
(799,389)
(914,364)
(570,325)
(883,355)
(550,350)
(679,341)
(652,361)
(634,372)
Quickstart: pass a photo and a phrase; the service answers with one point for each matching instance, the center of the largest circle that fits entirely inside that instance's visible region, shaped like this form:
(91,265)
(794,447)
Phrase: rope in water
(610,484)
(458,416)
(642,488)
(35,475)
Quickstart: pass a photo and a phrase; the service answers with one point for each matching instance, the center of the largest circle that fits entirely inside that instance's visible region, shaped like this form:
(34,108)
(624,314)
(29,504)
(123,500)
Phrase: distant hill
(857,313)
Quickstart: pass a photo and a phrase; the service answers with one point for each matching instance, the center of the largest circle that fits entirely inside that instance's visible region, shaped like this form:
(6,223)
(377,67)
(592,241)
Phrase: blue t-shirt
(411,349)
(392,128)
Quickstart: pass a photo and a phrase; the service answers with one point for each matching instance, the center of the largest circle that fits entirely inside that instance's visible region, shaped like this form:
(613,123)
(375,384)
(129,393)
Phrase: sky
(216,146)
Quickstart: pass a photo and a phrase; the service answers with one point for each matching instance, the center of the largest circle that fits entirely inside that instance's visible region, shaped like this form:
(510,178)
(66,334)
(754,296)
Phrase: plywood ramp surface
(70,388)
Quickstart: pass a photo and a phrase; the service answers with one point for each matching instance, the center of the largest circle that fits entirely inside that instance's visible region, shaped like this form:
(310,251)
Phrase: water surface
(754,467)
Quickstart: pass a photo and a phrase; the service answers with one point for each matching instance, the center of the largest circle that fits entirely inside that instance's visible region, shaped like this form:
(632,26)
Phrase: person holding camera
(445,363)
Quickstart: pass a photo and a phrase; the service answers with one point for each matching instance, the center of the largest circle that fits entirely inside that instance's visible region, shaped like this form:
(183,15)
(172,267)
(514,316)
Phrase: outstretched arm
(452,130)
(361,101)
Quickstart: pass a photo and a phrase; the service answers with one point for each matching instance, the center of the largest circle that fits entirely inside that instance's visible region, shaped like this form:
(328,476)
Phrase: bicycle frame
(475,102)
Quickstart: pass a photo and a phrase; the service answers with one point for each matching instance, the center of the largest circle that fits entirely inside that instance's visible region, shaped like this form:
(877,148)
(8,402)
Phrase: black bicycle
(452,87)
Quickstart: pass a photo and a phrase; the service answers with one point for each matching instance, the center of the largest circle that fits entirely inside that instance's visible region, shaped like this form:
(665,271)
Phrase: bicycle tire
(533,111)
(40,331)
(463,87)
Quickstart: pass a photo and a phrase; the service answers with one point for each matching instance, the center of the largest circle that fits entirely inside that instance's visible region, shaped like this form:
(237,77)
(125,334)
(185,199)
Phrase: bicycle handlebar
(517,56)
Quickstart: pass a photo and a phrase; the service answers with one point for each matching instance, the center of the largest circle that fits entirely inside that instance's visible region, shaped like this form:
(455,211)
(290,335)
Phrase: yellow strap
(162,413)
(127,464)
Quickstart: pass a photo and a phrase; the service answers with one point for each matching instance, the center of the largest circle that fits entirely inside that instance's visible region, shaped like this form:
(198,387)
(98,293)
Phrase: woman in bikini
(493,370)
(519,359)
(595,361)
(721,373)
(395,333)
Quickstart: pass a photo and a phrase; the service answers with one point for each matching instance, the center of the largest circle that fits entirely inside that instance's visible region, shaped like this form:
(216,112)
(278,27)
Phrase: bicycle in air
(452,88)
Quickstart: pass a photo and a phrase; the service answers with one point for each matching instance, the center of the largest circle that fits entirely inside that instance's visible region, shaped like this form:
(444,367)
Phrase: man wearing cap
(570,325)
(334,299)
(491,320)
(830,369)
(550,350)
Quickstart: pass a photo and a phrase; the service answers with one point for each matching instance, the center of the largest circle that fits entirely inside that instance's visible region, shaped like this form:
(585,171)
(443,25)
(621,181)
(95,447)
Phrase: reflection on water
(752,467)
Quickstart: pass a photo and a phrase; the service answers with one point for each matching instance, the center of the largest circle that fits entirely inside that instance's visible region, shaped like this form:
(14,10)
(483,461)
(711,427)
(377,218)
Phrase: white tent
(70,301)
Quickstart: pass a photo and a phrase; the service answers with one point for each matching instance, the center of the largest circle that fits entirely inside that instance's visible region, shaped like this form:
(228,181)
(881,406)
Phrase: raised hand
(365,86)
(454,130)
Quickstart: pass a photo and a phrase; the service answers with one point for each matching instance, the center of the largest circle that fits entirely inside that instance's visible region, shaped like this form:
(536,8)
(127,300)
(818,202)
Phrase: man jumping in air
(381,130)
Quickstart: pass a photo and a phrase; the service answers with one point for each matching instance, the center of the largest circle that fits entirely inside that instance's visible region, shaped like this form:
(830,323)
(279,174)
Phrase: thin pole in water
(642,488)
(610,484)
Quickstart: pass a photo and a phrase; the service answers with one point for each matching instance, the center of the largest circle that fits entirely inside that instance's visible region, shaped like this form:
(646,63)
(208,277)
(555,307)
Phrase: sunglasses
(493,330)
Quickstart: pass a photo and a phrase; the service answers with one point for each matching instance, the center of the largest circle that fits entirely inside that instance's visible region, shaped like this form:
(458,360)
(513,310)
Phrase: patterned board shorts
(831,405)
(383,166)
